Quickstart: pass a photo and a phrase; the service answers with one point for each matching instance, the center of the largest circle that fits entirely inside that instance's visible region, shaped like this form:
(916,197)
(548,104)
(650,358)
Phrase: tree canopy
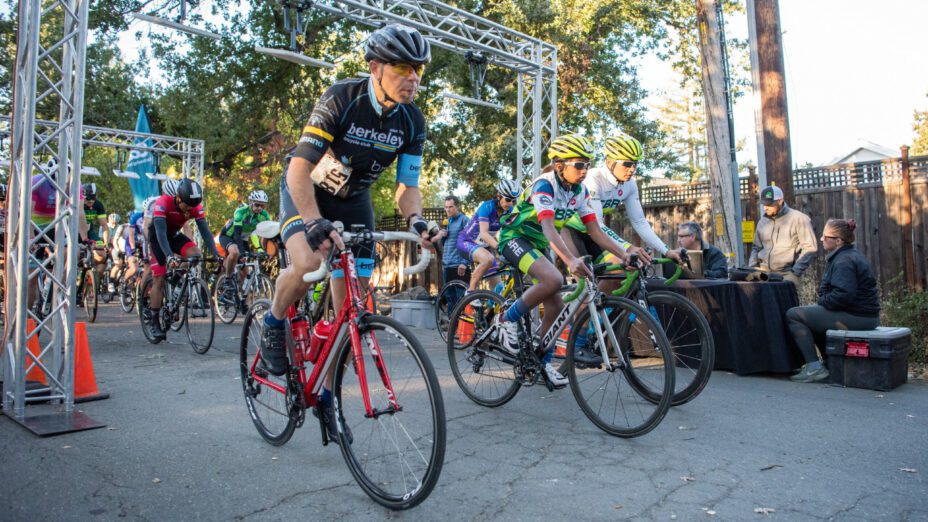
(250,108)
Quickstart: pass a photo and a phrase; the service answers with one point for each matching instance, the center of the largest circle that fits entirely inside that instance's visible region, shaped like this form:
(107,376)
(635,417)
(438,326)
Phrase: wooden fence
(870,192)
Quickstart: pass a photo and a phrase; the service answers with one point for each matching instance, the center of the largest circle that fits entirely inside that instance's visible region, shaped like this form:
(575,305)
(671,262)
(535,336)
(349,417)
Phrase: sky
(853,72)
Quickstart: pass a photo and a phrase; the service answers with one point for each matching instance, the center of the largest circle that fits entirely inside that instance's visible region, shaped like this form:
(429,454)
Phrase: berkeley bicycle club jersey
(351,139)
(547,199)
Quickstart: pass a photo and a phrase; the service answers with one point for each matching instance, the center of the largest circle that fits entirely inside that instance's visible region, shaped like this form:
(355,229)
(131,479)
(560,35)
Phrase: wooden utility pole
(778,159)
(723,171)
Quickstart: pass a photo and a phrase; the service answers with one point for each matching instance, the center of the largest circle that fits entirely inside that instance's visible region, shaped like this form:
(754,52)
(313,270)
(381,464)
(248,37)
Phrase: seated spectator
(847,299)
(689,236)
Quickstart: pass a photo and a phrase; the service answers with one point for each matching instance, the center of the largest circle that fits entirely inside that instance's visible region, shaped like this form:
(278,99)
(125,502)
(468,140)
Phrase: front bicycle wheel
(262,288)
(126,289)
(397,454)
(482,370)
(199,316)
(631,397)
(691,340)
(226,305)
(90,295)
(143,305)
(449,296)
(269,398)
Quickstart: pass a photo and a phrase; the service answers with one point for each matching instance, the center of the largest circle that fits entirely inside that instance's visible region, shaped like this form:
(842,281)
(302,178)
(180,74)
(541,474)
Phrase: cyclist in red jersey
(169,215)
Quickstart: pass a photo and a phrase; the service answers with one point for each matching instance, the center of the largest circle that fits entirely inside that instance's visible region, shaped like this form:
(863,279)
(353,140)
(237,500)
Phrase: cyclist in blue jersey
(357,129)
(479,236)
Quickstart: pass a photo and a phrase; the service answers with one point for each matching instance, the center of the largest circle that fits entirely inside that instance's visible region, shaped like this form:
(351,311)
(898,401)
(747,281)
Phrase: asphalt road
(179,445)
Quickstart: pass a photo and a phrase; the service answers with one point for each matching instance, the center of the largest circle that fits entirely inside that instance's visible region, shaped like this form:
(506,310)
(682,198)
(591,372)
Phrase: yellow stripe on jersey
(309,129)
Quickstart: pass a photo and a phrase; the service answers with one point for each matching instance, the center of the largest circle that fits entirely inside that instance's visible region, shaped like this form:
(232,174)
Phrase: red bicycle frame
(351,311)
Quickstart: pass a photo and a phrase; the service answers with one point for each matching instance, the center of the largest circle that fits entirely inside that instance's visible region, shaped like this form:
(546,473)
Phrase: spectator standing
(689,236)
(454,265)
(847,299)
(784,241)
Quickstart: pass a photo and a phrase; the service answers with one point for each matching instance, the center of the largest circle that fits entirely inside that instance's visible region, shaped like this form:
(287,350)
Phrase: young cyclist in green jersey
(532,226)
(235,235)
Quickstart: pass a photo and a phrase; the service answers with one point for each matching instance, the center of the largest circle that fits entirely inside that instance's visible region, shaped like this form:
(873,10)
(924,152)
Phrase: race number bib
(331,174)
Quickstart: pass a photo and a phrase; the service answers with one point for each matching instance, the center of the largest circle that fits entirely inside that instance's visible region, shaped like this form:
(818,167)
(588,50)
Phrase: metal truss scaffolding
(189,151)
(50,70)
(450,28)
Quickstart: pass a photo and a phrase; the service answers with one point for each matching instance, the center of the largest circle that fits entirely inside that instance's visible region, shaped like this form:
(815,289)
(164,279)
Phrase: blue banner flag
(142,162)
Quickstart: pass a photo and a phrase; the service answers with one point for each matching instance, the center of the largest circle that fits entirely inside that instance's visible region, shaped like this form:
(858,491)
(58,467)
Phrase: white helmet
(114,219)
(169,187)
(509,188)
(148,203)
(258,196)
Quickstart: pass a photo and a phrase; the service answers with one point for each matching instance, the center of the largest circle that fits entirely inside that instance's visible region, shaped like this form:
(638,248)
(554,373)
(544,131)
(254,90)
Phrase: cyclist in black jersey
(356,130)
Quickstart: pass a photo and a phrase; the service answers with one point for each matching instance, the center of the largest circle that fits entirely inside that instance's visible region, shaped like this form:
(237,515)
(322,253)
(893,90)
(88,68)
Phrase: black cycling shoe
(587,357)
(157,333)
(331,428)
(274,349)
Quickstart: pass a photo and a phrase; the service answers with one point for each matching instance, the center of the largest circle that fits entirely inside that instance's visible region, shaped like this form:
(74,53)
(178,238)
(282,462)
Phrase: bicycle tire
(690,339)
(227,312)
(639,408)
(105,295)
(143,304)
(262,288)
(127,294)
(413,438)
(274,422)
(198,312)
(444,305)
(90,295)
(484,373)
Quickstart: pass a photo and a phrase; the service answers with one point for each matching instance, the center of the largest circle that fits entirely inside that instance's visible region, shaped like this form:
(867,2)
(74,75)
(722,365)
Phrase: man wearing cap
(784,241)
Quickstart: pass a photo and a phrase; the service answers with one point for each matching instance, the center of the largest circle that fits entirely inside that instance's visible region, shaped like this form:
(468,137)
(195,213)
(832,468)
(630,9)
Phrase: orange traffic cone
(85,381)
(560,349)
(465,330)
(33,345)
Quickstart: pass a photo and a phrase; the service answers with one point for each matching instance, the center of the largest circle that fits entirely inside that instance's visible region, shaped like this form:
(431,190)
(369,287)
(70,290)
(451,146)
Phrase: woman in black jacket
(847,299)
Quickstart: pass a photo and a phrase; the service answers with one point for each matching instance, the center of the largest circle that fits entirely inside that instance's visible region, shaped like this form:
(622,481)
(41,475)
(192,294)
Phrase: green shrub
(906,307)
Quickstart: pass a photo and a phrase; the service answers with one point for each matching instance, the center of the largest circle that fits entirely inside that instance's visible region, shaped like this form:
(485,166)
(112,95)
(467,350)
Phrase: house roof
(865,145)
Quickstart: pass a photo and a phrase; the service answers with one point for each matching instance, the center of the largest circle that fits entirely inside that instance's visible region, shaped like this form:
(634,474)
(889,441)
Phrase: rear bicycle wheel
(199,316)
(396,456)
(632,397)
(482,370)
(90,295)
(126,290)
(226,305)
(270,400)
(690,339)
(449,296)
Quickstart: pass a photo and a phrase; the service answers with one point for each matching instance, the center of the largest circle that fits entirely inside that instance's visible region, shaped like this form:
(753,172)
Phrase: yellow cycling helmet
(623,148)
(570,146)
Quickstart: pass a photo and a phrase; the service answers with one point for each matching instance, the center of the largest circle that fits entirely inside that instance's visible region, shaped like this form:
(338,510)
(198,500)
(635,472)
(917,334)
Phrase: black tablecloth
(748,322)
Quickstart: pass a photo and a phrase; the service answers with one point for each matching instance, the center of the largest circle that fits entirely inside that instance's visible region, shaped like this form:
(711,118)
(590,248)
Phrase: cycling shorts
(467,247)
(354,210)
(225,241)
(520,252)
(180,244)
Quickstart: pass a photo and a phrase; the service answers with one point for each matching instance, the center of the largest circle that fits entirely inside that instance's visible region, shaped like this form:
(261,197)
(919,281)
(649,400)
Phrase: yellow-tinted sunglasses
(405,69)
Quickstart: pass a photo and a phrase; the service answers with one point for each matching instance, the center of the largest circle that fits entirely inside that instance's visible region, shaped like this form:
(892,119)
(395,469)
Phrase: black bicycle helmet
(397,43)
(90,190)
(189,192)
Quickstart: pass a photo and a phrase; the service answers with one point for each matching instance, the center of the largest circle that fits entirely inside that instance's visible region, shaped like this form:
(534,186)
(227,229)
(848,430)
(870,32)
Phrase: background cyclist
(532,226)
(169,214)
(235,236)
(478,239)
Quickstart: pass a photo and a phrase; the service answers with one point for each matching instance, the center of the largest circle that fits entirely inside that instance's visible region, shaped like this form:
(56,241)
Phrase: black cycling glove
(317,231)
(417,223)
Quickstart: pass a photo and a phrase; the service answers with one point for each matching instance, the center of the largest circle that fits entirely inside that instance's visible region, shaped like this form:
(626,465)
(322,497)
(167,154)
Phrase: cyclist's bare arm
(409,201)
(486,236)
(606,242)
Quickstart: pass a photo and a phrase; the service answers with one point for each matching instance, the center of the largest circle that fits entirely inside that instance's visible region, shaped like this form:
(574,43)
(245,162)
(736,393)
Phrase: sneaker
(331,427)
(111,288)
(508,335)
(558,380)
(807,374)
(274,350)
